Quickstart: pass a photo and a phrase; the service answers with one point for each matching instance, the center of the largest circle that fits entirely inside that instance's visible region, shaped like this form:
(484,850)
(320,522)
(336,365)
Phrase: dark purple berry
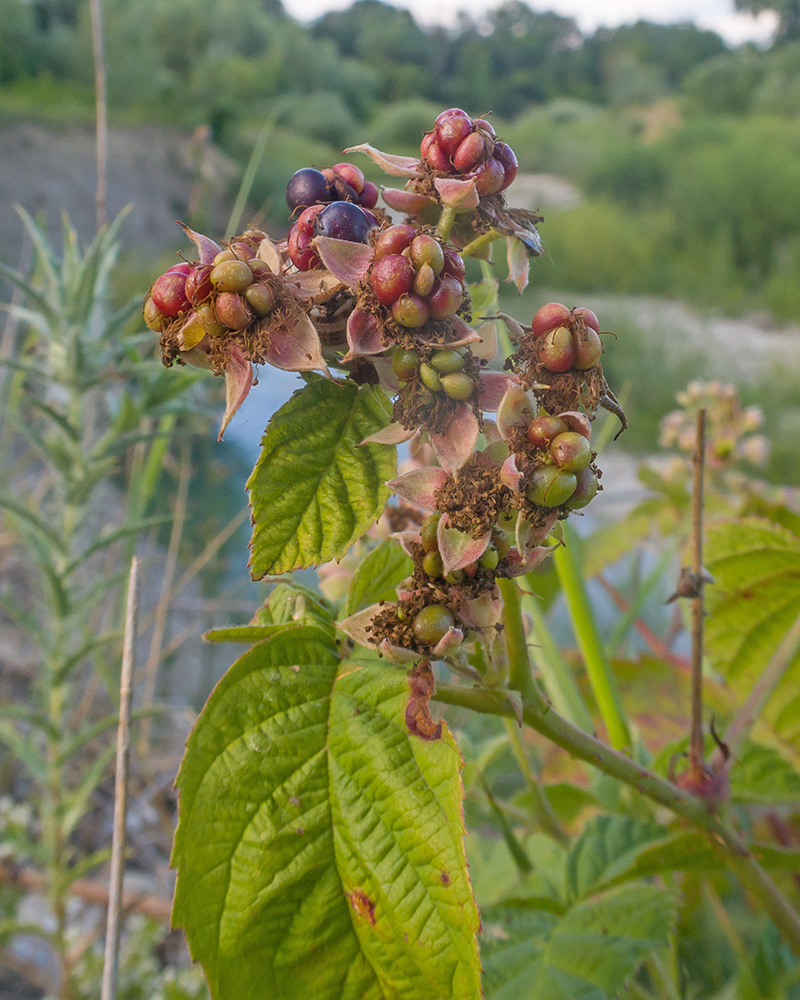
(342,220)
(307,187)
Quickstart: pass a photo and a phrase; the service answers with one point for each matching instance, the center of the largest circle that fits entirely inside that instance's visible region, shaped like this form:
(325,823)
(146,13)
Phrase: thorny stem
(733,852)
(696,748)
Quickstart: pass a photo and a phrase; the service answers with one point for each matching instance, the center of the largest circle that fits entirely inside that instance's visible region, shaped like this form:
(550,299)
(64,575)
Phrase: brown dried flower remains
(474,498)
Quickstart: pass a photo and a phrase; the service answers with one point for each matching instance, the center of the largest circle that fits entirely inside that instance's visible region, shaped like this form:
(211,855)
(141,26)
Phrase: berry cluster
(563,475)
(343,182)
(416,277)
(230,294)
(566,338)
(341,220)
(459,144)
(442,373)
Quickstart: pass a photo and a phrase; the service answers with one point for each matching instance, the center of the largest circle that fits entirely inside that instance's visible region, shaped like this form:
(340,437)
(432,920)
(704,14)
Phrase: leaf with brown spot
(418,716)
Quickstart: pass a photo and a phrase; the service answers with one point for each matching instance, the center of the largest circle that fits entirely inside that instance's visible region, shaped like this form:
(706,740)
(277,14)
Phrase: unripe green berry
(458,385)
(447,362)
(423,281)
(261,299)
(489,559)
(410,311)
(231,276)
(571,451)
(426,250)
(501,542)
(428,532)
(432,624)
(455,576)
(405,364)
(432,564)
(549,486)
(429,377)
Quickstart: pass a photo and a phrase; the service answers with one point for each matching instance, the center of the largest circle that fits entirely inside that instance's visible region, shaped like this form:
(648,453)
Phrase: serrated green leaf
(761,776)
(588,954)
(379,575)
(320,845)
(315,489)
(294,604)
(752,604)
(607,847)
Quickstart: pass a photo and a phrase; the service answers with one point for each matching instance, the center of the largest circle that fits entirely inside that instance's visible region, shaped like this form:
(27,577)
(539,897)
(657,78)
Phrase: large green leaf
(606,849)
(752,604)
(320,845)
(379,575)
(588,954)
(315,489)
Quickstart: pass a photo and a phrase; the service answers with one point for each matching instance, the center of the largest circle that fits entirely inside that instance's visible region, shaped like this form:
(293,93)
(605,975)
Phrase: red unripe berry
(588,318)
(549,317)
(301,253)
(390,277)
(486,126)
(542,430)
(571,451)
(555,350)
(232,311)
(411,311)
(506,155)
(259,267)
(198,284)
(454,264)
(446,297)
(305,220)
(369,195)
(451,132)
(351,175)
(169,293)
(588,348)
(585,491)
(437,158)
(449,112)
(244,251)
(490,177)
(182,268)
(470,152)
(394,240)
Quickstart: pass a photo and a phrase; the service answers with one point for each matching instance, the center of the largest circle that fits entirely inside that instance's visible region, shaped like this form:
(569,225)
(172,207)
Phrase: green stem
(446,221)
(481,241)
(541,718)
(598,667)
(520,676)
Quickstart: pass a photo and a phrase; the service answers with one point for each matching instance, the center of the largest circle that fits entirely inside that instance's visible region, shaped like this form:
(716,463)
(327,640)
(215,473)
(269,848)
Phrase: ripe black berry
(307,187)
(342,220)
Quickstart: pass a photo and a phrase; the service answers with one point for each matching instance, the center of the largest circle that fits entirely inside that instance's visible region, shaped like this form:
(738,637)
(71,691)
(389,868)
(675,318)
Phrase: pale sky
(718,15)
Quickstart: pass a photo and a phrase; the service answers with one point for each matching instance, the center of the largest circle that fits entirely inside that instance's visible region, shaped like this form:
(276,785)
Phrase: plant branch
(481,241)
(544,811)
(446,221)
(696,747)
(111,958)
(101,110)
(541,718)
